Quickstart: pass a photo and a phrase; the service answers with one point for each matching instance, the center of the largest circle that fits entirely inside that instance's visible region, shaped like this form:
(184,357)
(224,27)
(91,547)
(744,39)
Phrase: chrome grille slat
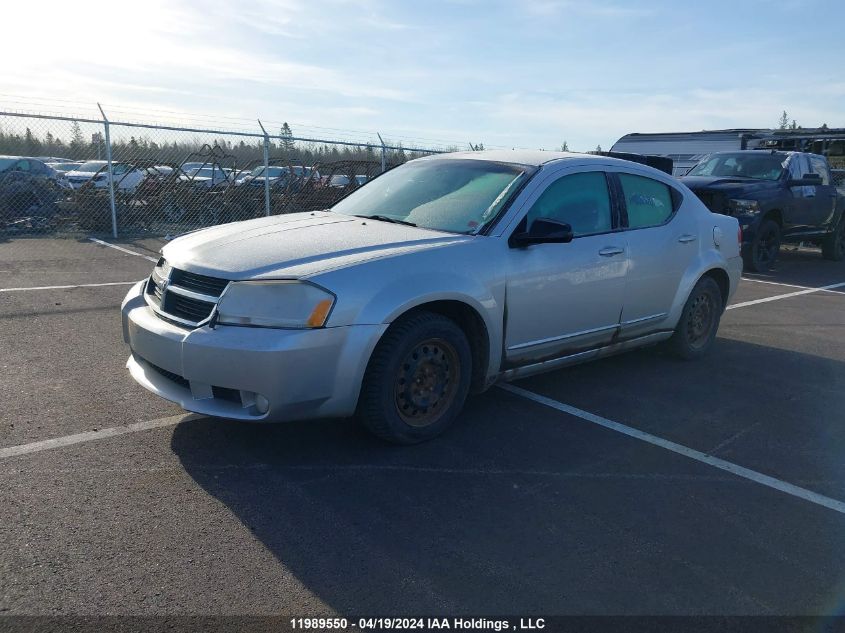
(183,297)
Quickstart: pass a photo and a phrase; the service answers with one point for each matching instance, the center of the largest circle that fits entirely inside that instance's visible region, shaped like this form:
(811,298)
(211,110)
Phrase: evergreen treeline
(174,150)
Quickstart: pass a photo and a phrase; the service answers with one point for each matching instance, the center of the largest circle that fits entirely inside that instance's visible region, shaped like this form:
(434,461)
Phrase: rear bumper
(222,371)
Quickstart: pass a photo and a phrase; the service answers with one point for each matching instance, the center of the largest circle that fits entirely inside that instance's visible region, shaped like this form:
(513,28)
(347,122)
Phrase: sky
(508,74)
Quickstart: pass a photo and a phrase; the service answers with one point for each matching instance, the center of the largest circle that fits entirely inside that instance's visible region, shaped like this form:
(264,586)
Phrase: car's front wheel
(699,321)
(764,247)
(417,379)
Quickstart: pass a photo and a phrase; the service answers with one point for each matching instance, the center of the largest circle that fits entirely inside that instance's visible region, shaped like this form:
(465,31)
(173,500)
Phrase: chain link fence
(62,174)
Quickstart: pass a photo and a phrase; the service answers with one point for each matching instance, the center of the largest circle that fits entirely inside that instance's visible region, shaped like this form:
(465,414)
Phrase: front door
(566,298)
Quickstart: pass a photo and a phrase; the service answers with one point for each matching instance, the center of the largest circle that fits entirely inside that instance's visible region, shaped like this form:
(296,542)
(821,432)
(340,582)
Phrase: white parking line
(721,464)
(785,296)
(90,436)
(123,250)
(775,283)
(111,283)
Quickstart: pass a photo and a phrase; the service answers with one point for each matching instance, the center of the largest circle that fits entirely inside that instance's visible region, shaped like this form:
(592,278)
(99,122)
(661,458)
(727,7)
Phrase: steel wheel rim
(700,320)
(426,382)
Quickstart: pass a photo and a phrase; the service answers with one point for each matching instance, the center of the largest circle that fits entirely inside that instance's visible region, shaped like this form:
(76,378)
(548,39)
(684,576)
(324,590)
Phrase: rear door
(824,203)
(799,215)
(662,243)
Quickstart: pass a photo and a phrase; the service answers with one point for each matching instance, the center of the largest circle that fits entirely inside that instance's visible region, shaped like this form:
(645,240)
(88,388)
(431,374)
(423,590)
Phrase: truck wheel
(699,321)
(833,246)
(417,379)
(764,248)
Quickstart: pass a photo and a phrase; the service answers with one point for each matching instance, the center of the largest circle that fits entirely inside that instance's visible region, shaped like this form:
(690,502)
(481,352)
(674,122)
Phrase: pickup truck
(777,197)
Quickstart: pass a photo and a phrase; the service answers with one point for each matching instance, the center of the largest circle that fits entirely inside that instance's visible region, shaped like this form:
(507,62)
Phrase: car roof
(528,157)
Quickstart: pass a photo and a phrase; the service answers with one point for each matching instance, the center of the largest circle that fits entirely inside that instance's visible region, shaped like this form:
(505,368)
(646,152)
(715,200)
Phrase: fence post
(266,169)
(111,173)
(383,153)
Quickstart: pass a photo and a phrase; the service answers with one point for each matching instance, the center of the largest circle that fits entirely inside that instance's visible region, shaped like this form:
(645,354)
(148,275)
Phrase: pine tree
(598,148)
(288,144)
(783,121)
(564,147)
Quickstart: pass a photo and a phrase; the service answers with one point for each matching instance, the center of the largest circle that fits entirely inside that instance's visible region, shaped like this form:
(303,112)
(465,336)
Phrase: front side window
(454,195)
(819,166)
(648,201)
(580,200)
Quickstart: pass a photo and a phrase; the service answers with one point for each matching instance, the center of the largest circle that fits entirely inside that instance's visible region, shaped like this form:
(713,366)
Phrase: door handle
(610,251)
(686,238)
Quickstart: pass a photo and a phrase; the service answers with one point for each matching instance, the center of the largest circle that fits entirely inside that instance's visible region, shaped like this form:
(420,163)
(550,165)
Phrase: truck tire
(764,249)
(833,246)
(417,379)
(699,321)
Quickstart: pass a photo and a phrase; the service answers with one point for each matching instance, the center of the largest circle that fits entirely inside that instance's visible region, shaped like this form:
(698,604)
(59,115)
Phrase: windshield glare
(758,166)
(458,196)
(94,165)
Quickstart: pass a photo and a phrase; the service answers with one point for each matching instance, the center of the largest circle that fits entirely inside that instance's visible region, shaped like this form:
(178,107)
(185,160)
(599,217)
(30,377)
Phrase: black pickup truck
(777,197)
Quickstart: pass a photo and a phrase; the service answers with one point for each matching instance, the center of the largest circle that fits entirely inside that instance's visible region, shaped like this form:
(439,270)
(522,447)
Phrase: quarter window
(580,200)
(648,202)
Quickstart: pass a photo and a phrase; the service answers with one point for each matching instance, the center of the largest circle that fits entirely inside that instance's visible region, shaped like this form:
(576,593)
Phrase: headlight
(746,207)
(283,304)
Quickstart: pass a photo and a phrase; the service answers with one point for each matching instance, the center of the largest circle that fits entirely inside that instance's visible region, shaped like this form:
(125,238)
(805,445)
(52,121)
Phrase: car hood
(297,245)
(728,184)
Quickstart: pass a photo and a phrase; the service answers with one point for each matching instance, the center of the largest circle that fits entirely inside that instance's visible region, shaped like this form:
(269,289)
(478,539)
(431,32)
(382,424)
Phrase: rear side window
(579,200)
(819,166)
(649,202)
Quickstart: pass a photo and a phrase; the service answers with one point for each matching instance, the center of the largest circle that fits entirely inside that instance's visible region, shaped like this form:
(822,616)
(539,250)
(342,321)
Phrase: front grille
(181,296)
(186,307)
(198,283)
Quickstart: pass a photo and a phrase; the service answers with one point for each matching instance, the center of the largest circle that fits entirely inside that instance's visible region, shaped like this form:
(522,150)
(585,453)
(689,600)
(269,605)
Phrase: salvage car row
(204,189)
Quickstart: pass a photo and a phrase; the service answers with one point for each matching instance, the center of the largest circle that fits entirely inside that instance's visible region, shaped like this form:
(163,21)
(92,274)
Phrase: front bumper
(221,371)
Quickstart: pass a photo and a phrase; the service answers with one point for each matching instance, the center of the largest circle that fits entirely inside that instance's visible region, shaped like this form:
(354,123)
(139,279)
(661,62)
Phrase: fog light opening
(262,404)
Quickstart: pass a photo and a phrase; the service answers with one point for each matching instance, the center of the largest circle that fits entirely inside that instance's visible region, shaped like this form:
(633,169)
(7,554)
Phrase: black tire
(417,379)
(764,249)
(833,246)
(699,321)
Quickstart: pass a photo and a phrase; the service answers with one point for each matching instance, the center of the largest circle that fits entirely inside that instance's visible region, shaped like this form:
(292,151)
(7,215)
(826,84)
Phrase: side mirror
(807,180)
(543,231)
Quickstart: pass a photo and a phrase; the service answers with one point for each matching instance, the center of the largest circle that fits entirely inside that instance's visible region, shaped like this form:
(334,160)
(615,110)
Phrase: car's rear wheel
(699,321)
(833,246)
(764,248)
(417,379)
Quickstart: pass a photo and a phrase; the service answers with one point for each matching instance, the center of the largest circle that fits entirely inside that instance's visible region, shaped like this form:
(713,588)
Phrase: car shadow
(508,512)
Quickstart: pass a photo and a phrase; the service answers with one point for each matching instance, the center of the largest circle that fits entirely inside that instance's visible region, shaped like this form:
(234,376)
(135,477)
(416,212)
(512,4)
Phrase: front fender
(381,291)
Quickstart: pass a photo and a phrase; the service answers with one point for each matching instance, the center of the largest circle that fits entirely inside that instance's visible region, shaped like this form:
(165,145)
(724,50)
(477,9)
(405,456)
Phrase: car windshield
(758,166)
(94,165)
(64,166)
(208,172)
(459,196)
(272,172)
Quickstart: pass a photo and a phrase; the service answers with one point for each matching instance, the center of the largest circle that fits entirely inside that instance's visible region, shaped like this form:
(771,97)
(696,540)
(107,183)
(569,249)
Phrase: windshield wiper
(386,218)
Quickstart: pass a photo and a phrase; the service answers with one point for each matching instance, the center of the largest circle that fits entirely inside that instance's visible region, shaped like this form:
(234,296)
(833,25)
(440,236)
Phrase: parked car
(440,277)
(777,197)
(208,177)
(126,176)
(283,176)
(29,190)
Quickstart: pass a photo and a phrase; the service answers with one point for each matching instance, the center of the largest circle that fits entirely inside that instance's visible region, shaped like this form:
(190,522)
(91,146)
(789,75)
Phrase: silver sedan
(435,280)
